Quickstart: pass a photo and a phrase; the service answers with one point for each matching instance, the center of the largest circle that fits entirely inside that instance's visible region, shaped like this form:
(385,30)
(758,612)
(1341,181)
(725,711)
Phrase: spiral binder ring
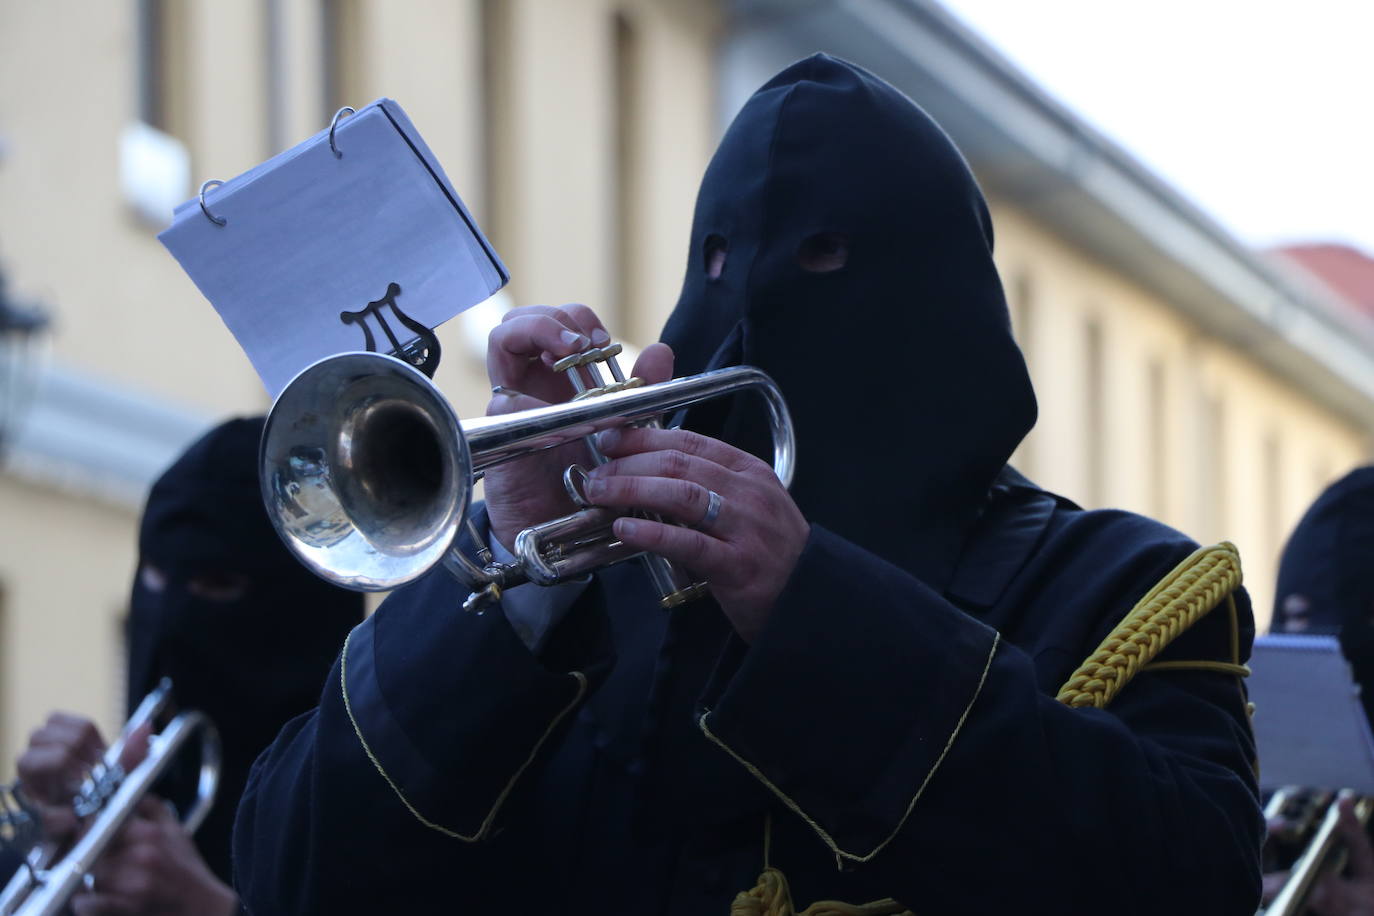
(334,125)
(204,208)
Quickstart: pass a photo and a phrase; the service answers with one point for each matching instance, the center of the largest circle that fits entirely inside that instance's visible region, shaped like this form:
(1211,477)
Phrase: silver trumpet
(1323,852)
(368,473)
(44,884)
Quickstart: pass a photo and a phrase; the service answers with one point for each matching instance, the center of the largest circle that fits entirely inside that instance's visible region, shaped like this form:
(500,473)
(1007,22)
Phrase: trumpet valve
(591,360)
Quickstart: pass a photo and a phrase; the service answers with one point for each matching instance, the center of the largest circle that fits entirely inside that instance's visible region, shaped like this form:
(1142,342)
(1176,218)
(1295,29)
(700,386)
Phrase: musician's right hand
(1351,893)
(60,754)
(521,351)
(152,867)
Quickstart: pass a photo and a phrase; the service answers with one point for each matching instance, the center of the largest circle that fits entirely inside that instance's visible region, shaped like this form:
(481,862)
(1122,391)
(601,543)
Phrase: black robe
(893,730)
(619,803)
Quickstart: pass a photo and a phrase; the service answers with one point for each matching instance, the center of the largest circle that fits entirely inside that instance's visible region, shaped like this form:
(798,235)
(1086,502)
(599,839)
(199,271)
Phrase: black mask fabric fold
(906,388)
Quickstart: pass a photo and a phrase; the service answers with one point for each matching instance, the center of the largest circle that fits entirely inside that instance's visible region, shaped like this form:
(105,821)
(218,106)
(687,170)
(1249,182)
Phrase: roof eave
(1032,152)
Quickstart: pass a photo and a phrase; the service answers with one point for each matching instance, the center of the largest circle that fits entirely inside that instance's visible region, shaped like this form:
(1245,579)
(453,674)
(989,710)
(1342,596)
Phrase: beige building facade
(576,131)
(1176,376)
(1142,410)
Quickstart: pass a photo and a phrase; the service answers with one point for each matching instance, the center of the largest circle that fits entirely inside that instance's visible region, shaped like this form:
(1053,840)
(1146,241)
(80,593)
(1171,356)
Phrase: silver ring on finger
(713,504)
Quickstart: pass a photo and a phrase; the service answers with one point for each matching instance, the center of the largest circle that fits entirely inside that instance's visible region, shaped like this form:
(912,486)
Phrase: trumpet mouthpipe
(494,440)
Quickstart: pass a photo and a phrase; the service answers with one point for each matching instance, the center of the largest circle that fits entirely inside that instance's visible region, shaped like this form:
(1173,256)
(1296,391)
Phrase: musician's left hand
(1350,894)
(746,554)
(152,867)
(60,753)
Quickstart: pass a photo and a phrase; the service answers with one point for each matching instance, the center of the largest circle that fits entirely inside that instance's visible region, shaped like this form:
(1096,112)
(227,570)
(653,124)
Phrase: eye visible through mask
(714,256)
(823,252)
(220,586)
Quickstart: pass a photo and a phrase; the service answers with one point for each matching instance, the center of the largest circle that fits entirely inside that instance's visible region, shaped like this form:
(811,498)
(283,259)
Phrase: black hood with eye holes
(1326,581)
(252,658)
(906,388)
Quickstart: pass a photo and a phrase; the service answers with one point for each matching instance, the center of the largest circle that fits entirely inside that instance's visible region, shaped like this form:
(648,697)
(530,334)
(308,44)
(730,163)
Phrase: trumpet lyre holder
(367,472)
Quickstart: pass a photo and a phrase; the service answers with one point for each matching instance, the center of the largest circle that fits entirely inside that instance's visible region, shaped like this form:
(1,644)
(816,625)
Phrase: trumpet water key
(368,474)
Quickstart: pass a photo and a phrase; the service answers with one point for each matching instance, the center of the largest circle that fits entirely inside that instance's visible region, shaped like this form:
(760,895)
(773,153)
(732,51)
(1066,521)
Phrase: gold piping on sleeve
(500,799)
(840,854)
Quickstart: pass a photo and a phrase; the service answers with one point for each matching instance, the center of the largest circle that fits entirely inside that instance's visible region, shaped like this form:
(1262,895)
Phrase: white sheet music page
(1309,722)
(309,236)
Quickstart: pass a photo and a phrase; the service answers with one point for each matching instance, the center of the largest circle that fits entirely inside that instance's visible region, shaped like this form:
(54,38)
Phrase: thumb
(508,400)
(135,749)
(1358,848)
(655,364)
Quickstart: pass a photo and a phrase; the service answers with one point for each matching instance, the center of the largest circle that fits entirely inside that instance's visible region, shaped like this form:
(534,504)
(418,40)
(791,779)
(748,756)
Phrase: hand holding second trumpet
(151,867)
(746,550)
(1351,893)
(60,753)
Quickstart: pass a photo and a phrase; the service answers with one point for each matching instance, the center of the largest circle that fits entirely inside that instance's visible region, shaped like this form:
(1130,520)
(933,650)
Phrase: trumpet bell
(365,471)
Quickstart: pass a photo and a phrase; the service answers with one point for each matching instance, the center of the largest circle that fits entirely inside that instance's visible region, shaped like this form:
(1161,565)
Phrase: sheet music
(308,236)
(1309,722)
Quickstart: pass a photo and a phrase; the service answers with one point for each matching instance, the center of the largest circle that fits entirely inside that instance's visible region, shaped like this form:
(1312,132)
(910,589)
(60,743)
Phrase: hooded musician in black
(1326,587)
(245,633)
(222,608)
(1326,579)
(872,710)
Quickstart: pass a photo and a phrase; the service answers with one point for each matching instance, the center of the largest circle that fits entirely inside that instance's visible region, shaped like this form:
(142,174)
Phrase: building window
(341,54)
(162,65)
(1094,413)
(274,79)
(1216,506)
(1023,313)
(1157,392)
(1322,474)
(154,161)
(627,167)
(491,201)
(1271,477)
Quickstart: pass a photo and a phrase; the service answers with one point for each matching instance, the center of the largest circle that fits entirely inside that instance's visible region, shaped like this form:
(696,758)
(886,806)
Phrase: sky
(1261,112)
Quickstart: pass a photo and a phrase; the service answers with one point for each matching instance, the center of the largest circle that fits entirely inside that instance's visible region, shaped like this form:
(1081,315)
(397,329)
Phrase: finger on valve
(522,349)
(60,755)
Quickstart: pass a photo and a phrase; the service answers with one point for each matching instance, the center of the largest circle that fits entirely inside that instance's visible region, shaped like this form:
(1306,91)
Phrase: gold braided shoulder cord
(1187,594)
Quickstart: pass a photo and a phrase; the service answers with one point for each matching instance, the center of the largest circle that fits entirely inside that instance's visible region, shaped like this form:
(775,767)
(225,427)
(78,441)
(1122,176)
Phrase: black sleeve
(931,757)
(430,722)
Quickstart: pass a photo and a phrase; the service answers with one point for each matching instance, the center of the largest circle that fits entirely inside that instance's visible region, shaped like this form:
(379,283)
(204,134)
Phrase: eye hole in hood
(823,252)
(857,232)
(714,252)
